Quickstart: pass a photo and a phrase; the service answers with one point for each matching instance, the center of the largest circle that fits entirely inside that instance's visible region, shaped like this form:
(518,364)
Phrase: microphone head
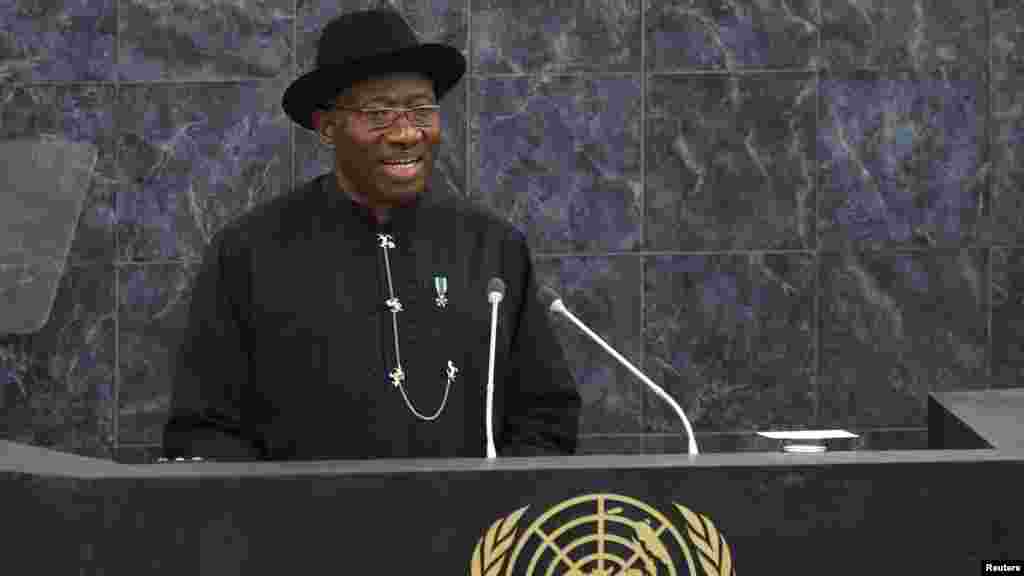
(495,290)
(548,297)
(496,285)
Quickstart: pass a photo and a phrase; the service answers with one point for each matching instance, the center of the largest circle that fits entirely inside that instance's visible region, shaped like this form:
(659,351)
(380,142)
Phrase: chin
(407,190)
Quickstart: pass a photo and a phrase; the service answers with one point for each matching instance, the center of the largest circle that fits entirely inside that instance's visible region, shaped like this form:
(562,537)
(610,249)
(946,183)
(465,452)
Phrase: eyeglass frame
(436,108)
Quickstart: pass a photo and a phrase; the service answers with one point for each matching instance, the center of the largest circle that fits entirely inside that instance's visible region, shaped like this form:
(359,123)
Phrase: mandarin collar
(402,217)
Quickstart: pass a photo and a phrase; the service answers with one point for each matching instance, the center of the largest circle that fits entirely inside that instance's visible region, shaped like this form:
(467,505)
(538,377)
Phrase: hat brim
(443,64)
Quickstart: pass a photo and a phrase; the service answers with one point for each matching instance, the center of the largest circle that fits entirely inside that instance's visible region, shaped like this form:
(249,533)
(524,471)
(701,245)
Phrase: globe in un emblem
(591,535)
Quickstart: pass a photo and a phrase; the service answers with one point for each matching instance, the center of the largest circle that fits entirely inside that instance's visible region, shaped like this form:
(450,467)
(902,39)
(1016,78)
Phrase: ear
(324,128)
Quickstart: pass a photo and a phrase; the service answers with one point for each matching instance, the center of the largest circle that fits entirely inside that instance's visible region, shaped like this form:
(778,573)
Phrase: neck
(381,213)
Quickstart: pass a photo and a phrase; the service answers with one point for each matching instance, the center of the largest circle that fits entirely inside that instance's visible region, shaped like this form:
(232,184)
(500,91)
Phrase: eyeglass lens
(423,117)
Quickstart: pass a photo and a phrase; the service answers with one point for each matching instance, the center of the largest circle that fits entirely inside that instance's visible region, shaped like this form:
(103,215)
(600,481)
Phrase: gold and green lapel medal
(441,287)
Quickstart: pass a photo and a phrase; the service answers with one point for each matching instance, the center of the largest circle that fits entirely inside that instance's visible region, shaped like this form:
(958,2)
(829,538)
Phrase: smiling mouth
(403,169)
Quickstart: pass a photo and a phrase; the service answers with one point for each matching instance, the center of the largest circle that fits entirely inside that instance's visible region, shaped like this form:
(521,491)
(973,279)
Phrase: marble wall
(791,213)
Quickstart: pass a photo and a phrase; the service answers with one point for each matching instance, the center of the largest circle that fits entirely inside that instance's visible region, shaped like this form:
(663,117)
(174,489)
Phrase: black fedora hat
(358,45)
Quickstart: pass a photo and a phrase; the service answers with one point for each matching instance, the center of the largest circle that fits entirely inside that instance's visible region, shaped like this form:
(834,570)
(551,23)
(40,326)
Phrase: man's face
(366,157)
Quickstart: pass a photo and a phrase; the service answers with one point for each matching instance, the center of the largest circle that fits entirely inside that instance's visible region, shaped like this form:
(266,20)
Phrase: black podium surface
(945,510)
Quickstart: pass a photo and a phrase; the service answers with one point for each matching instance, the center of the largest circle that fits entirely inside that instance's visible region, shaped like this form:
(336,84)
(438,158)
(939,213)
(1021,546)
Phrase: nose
(404,131)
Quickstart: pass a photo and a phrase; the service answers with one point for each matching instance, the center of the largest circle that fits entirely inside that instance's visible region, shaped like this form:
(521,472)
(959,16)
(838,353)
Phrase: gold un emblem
(602,535)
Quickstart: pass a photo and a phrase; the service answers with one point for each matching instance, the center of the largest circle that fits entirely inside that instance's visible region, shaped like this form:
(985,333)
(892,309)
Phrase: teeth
(407,163)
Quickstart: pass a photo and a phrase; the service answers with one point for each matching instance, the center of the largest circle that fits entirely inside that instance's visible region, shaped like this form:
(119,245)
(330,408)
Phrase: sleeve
(210,367)
(542,403)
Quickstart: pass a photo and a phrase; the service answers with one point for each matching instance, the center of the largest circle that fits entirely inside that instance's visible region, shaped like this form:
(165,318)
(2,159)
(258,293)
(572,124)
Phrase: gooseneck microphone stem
(495,294)
(557,306)
(491,452)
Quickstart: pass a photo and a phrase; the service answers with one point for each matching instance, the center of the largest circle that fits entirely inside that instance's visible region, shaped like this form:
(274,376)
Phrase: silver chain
(397,375)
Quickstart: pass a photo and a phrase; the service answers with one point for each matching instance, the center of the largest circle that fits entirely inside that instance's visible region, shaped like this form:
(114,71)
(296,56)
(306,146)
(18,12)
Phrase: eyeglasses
(379,118)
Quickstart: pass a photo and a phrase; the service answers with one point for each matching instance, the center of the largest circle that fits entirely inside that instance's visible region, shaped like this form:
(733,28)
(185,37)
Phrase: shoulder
(263,221)
(481,220)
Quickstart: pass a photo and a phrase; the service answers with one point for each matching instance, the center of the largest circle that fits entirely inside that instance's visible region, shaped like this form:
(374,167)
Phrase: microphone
(495,294)
(495,290)
(554,303)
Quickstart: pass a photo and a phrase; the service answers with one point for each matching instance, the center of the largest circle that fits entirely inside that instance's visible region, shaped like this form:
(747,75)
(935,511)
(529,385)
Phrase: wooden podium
(944,510)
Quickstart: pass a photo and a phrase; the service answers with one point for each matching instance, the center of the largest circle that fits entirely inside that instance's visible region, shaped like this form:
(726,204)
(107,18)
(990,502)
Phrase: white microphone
(495,294)
(551,299)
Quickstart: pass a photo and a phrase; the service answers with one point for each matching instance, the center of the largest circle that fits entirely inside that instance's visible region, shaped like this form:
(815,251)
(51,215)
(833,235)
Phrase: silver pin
(386,241)
(394,304)
(451,372)
(397,376)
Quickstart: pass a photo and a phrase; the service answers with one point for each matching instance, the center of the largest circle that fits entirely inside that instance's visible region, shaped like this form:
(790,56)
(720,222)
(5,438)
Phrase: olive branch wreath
(713,551)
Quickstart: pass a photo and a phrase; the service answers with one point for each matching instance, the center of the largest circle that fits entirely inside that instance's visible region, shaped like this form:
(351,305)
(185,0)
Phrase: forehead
(398,87)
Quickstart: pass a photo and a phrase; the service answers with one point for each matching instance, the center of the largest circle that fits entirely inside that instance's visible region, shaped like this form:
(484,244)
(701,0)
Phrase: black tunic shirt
(291,341)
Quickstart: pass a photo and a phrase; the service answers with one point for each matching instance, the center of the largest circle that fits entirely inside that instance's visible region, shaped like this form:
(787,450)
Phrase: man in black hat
(350,318)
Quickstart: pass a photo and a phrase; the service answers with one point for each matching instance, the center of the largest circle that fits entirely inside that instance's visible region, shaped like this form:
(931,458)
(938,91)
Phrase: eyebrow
(390,100)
